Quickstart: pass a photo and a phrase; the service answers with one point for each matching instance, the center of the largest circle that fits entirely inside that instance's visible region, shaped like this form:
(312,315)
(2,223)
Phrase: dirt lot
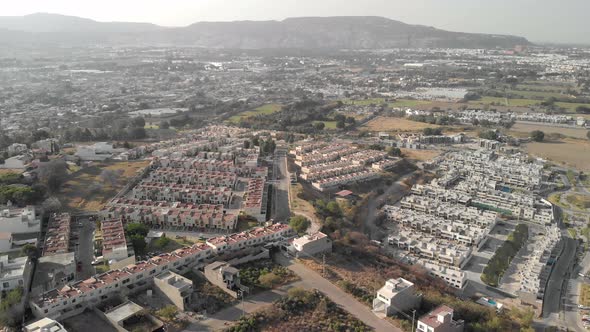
(420,155)
(381,123)
(569,152)
(570,132)
(87,191)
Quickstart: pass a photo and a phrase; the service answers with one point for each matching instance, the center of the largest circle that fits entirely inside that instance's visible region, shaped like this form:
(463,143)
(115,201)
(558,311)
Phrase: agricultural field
(389,124)
(547,129)
(90,188)
(265,109)
(409,103)
(569,152)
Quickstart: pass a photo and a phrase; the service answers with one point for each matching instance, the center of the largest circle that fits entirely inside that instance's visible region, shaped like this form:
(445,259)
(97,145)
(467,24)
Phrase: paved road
(559,276)
(310,279)
(280,207)
(85,247)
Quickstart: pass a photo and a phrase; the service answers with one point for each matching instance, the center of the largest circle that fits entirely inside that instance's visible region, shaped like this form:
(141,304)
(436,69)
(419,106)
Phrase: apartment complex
(329,166)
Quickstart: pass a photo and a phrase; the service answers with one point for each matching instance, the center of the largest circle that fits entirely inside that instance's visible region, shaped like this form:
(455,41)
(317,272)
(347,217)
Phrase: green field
(502,101)
(364,102)
(265,109)
(408,103)
(330,125)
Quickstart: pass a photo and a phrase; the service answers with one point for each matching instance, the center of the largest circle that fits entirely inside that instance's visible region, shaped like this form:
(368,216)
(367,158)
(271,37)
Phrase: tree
(164,125)
(319,126)
(299,224)
(138,122)
(583,109)
(340,124)
(269,280)
(53,174)
(162,242)
(488,134)
(333,208)
(29,250)
(51,204)
(537,135)
(137,229)
(138,243)
(395,152)
(246,144)
(350,120)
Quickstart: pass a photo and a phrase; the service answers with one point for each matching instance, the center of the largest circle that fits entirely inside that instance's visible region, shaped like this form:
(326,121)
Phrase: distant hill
(354,32)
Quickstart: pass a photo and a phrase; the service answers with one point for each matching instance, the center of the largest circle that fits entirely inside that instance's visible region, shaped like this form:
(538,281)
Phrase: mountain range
(351,32)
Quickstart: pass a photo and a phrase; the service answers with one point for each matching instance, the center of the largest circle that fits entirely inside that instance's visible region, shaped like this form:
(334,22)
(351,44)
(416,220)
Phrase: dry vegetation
(89,190)
(570,152)
(570,132)
(420,155)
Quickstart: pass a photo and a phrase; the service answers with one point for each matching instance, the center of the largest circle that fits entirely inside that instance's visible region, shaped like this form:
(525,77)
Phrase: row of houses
(78,296)
(170,214)
(186,193)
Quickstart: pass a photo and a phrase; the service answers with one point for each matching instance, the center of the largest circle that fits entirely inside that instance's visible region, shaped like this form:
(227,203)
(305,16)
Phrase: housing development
(309,174)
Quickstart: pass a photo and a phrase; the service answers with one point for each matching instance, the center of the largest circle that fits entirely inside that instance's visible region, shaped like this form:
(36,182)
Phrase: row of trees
(501,260)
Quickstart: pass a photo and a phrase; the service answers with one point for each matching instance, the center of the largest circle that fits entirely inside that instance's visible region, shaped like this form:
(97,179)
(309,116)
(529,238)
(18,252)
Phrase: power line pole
(413,318)
(324,265)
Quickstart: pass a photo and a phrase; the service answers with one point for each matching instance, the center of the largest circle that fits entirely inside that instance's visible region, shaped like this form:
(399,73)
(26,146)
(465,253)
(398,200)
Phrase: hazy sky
(538,20)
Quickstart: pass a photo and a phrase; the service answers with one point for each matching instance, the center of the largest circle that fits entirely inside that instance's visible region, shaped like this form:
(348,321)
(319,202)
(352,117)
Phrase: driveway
(85,246)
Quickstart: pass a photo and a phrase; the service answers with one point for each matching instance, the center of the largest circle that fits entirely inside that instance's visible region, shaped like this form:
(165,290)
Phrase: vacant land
(420,155)
(8,170)
(581,202)
(88,189)
(381,123)
(547,129)
(265,109)
(409,103)
(569,152)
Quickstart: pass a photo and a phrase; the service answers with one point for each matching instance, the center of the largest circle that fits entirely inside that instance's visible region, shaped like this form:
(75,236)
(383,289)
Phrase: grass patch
(573,233)
(169,244)
(262,110)
(409,103)
(581,202)
(585,295)
(330,125)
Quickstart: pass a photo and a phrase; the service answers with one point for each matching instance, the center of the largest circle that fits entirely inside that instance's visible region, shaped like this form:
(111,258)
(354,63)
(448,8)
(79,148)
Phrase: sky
(539,20)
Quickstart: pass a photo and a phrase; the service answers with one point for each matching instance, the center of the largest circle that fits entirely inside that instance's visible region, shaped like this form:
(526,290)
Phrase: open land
(548,129)
(86,191)
(265,109)
(569,152)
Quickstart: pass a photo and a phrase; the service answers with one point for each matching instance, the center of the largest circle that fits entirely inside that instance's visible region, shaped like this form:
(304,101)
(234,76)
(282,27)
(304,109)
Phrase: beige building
(175,288)
(395,296)
(312,244)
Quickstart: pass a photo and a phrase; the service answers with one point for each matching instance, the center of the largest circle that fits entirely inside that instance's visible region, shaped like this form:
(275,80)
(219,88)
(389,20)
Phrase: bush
(168,313)
(162,242)
(538,136)
(269,280)
(299,224)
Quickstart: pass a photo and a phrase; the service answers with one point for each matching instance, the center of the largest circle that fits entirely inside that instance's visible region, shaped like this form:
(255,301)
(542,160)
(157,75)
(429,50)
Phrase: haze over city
(538,20)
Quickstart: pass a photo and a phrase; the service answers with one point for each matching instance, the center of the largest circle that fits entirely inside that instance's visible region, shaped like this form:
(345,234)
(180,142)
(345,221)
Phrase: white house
(313,244)
(13,272)
(45,325)
(395,296)
(97,152)
(19,220)
(440,320)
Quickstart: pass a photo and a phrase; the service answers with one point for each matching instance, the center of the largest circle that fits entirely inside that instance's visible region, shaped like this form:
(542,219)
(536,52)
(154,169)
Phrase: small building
(440,320)
(45,325)
(224,276)
(130,316)
(19,220)
(312,244)
(13,272)
(175,288)
(395,296)
(53,272)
